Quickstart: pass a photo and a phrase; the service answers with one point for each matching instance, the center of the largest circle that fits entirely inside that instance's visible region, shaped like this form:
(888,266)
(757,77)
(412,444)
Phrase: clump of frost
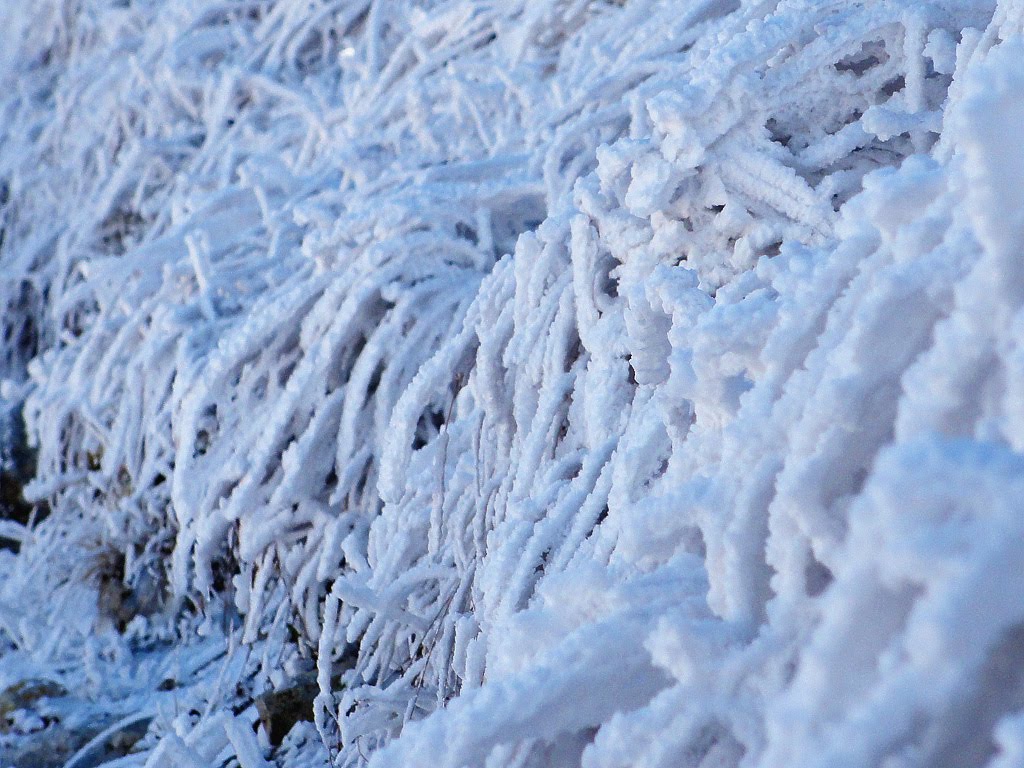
(572,383)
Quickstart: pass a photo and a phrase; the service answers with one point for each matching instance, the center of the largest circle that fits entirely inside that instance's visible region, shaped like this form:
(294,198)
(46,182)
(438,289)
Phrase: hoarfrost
(560,383)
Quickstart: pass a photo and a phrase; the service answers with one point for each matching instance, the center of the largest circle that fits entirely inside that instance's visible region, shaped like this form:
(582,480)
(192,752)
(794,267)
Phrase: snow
(566,382)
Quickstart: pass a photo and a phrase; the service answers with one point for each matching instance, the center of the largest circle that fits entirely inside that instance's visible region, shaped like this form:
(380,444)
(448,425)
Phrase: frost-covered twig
(596,372)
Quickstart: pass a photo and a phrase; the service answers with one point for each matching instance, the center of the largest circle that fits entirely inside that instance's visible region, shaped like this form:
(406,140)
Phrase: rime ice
(584,383)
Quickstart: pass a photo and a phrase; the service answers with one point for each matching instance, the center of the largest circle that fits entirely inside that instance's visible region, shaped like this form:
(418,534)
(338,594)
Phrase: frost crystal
(611,383)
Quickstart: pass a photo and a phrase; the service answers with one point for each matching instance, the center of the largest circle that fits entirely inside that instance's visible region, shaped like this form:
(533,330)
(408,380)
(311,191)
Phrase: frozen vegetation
(517,383)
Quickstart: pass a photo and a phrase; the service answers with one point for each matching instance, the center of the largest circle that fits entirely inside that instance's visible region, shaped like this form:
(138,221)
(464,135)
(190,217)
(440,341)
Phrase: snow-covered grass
(605,383)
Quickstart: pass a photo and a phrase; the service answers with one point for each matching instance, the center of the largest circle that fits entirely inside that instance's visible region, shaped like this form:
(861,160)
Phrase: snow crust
(590,383)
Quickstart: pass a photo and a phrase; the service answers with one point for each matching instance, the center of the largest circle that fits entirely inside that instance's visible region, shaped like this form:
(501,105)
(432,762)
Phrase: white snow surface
(620,383)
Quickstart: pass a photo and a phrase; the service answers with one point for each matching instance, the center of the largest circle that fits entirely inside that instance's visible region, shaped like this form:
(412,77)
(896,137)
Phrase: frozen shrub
(597,383)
